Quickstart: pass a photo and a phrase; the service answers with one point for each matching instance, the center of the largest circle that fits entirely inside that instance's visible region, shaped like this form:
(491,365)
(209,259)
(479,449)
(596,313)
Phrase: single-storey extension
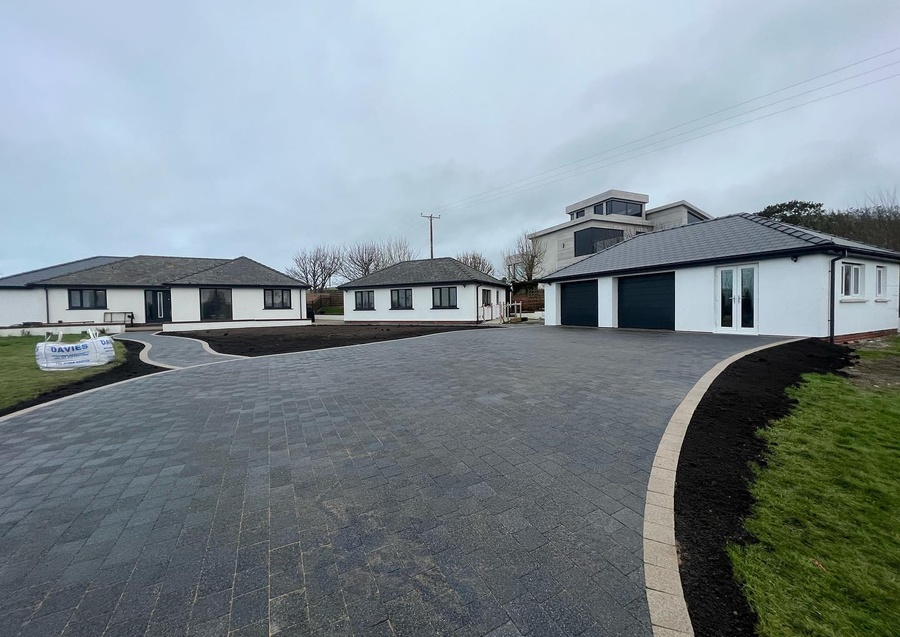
(441,290)
(177,292)
(741,274)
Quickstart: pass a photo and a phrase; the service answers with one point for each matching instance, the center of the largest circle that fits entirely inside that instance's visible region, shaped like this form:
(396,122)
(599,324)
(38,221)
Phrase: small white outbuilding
(441,290)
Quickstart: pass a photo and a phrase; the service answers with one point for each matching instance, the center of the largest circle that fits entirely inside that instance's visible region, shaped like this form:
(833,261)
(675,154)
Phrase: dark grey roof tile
(26,278)
(722,238)
(423,272)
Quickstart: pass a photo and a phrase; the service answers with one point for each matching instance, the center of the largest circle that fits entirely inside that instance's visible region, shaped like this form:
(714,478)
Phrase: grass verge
(827,516)
(20,377)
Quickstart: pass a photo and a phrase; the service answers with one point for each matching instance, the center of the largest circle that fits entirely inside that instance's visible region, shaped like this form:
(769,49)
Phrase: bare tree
(477,260)
(317,266)
(396,250)
(361,259)
(366,257)
(524,257)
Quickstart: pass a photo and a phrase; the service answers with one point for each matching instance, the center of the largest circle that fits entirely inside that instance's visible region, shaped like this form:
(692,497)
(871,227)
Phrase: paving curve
(174,351)
(464,483)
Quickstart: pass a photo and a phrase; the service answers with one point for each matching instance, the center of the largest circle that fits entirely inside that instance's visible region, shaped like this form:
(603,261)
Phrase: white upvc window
(880,282)
(852,281)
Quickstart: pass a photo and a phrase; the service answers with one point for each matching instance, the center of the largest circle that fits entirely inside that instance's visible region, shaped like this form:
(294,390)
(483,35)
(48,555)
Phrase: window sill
(402,308)
(364,309)
(853,300)
(882,300)
(88,309)
(276,308)
(454,307)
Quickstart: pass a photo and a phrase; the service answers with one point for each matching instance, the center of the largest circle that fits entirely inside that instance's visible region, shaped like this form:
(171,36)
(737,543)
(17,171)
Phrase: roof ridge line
(787,228)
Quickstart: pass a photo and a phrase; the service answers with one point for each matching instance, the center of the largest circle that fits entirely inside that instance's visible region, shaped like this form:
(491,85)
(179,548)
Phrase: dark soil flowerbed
(282,340)
(131,368)
(714,471)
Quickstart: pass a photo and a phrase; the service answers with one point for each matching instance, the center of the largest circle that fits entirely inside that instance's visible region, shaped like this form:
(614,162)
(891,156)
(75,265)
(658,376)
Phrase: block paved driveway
(468,483)
(174,351)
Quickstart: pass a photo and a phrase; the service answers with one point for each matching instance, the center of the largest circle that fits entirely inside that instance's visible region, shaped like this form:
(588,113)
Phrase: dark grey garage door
(647,301)
(578,302)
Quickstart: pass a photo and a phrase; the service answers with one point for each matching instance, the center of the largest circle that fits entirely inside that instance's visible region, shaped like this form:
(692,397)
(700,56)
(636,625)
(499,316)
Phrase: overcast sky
(228,128)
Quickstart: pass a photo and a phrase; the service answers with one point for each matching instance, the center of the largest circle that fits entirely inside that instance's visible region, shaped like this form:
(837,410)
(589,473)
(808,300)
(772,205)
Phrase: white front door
(736,294)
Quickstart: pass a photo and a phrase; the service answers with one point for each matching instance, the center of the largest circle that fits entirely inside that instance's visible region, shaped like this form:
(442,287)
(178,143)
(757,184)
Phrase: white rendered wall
(246,304)
(468,306)
(249,303)
(869,314)
(607,313)
(222,325)
(695,297)
(117,300)
(793,296)
(551,304)
(185,304)
(21,306)
(108,328)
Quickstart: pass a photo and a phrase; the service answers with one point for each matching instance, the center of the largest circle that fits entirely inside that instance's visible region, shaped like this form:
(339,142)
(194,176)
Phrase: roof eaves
(812,249)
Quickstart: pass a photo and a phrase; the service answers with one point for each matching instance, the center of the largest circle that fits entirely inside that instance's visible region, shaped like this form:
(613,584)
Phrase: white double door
(736,299)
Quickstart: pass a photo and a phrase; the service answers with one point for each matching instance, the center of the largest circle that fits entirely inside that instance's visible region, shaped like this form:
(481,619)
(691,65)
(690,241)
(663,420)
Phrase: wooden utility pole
(431,219)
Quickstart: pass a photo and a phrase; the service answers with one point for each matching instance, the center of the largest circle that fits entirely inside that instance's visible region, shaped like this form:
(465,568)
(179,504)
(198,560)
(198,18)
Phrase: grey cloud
(222,128)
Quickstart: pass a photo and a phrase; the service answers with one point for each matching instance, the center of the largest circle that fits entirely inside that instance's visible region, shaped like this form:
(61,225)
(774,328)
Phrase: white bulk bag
(89,352)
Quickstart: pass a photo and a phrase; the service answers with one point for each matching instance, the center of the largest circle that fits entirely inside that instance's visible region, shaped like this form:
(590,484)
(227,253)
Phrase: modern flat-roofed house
(741,274)
(177,292)
(441,290)
(603,220)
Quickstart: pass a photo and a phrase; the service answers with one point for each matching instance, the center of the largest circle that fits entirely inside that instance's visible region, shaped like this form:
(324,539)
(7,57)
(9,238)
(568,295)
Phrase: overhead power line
(585,169)
(552,178)
(548,173)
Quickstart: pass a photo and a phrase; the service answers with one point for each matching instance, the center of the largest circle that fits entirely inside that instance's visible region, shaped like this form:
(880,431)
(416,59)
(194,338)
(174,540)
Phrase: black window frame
(486,294)
(229,316)
(438,293)
(632,208)
(397,297)
(269,298)
(81,305)
(364,294)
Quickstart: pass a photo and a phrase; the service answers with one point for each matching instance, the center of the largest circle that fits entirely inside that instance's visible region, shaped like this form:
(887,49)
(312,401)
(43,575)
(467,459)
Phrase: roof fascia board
(738,258)
(420,285)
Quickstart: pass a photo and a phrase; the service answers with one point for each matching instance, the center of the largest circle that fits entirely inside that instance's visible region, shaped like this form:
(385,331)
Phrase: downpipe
(832,295)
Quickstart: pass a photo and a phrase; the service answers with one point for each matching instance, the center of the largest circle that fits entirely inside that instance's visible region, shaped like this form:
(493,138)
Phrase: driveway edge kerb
(665,598)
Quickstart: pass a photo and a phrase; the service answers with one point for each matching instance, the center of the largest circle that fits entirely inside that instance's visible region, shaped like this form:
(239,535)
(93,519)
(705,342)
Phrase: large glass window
(277,299)
(87,299)
(444,298)
(619,207)
(591,240)
(851,281)
(401,299)
(365,300)
(215,304)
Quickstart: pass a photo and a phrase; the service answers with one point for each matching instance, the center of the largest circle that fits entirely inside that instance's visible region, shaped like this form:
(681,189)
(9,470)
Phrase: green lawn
(331,309)
(20,377)
(827,515)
